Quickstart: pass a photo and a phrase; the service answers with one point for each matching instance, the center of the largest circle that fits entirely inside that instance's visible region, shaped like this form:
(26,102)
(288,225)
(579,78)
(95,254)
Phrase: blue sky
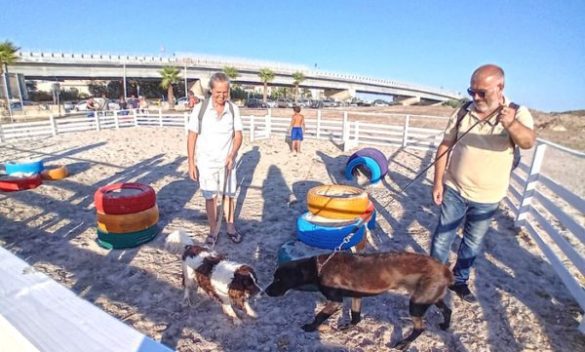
(540,44)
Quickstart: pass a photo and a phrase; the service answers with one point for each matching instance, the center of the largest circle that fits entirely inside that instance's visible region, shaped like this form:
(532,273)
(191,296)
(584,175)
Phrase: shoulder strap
(204,108)
(461,114)
(202,112)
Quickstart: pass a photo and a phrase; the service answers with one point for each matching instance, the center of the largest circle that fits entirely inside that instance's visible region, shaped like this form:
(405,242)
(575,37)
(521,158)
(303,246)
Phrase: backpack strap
(204,109)
(202,112)
(461,114)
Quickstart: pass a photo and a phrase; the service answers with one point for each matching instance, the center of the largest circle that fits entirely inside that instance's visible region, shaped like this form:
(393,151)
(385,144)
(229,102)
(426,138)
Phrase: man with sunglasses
(472,173)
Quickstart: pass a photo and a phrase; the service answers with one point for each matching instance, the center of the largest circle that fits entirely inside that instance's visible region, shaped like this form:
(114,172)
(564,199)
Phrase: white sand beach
(522,305)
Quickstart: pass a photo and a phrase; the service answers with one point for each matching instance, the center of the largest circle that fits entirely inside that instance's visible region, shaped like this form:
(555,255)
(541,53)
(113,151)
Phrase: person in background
(470,182)
(212,148)
(91,107)
(143,104)
(297,128)
(192,101)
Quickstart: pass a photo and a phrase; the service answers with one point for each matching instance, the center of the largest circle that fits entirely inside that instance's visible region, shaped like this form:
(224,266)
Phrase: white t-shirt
(216,139)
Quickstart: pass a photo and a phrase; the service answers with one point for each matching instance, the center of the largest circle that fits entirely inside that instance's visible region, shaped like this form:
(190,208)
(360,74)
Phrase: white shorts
(211,182)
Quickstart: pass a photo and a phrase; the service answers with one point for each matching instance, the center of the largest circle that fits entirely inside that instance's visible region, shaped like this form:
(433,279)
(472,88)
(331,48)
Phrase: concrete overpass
(66,66)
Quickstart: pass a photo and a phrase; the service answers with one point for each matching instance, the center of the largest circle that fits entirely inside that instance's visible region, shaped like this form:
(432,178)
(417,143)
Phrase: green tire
(126,240)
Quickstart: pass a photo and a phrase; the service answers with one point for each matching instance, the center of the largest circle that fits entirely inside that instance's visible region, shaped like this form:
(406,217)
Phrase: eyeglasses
(480,92)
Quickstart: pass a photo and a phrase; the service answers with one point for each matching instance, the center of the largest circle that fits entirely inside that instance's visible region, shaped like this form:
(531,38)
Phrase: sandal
(236,237)
(210,241)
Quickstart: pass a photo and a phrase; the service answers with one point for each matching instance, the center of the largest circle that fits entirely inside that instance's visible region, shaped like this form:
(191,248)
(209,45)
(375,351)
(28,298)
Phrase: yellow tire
(337,201)
(55,173)
(127,222)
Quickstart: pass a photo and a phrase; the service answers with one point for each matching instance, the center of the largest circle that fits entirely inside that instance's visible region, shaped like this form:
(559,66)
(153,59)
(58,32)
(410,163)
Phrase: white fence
(533,197)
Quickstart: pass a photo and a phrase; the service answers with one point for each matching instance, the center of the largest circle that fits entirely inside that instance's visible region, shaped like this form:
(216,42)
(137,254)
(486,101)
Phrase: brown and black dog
(362,275)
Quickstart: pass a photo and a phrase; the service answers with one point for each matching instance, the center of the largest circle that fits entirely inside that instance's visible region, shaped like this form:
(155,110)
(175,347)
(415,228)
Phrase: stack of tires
(369,161)
(21,175)
(127,215)
(335,212)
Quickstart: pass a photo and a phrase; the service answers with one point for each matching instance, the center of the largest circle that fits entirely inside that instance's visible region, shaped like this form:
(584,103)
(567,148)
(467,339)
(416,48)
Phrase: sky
(540,44)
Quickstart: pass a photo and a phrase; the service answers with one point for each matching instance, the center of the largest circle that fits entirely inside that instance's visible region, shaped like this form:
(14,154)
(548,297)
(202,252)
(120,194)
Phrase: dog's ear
(245,280)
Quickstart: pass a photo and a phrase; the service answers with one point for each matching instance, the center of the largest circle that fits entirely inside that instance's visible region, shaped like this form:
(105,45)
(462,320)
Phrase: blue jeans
(477,216)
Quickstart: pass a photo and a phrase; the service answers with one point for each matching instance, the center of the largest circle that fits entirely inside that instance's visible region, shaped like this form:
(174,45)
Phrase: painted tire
(127,223)
(126,240)
(367,162)
(327,237)
(374,154)
(337,201)
(124,198)
(28,167)
(327,222)
(12,184)
(55,173)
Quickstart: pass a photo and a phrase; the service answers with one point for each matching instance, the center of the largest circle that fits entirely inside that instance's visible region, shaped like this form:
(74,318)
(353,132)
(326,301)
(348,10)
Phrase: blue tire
(367,162)
(28,167)
(374,154)
(327,237)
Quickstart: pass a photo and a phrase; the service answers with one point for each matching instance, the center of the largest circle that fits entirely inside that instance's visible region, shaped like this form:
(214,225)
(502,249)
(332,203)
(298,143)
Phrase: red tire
(12,184)
(124,198)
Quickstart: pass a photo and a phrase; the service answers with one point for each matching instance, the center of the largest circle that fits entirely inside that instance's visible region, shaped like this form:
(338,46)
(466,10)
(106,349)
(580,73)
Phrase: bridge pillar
(405,101)
(339,95)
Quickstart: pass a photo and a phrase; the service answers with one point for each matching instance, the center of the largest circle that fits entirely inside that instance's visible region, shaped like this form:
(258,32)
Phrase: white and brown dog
(230,283)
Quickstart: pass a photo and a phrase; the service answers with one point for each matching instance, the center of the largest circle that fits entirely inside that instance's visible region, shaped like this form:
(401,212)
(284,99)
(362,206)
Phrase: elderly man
(470,184)
(212,146)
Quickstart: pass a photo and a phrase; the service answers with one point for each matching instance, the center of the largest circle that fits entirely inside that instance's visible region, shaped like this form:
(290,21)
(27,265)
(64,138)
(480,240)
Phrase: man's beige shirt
(480,163)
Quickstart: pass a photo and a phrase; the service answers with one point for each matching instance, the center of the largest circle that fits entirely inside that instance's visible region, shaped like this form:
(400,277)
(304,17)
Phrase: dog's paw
(309,327)
(252,314)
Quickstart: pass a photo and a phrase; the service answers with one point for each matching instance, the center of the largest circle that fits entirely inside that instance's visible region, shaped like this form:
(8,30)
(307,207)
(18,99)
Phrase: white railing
(533,198)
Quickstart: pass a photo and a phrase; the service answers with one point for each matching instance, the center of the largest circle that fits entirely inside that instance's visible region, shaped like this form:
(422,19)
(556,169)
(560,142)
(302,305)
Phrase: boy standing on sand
(297,125)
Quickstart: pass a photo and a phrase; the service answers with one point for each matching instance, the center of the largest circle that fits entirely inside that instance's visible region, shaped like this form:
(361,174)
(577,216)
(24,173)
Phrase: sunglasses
(480,92)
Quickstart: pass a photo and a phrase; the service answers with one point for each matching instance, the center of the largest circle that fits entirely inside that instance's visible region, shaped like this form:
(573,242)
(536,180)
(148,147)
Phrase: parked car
(256,103)
(182,101)
(81,106)
(284,103)
(69,105)
(381,102)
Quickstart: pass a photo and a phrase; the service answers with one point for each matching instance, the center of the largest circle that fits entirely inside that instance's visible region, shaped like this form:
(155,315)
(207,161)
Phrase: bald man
(471,181)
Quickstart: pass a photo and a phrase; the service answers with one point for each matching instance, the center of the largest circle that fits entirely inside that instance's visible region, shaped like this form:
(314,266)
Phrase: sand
(522,305)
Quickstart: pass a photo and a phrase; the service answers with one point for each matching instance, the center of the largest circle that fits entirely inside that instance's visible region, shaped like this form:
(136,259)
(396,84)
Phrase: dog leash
(349,236)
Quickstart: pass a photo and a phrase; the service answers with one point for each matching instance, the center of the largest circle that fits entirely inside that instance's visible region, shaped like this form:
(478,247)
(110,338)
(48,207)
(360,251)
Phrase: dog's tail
(177,240)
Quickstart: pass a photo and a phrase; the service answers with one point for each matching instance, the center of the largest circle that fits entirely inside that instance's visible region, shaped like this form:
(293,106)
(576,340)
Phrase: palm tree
(298,77)
(170,76)
(232,74)
(7,57)
(266,75)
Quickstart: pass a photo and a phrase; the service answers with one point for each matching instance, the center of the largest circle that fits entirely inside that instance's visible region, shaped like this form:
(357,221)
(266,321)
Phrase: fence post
(268,124)
(116,120)
(186,122)
(1,134)
(53,124)
(160,121)
(345,128)
(252,128)
(405,131)
(135,118)
(530,185)
(97,121)
(318,123)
